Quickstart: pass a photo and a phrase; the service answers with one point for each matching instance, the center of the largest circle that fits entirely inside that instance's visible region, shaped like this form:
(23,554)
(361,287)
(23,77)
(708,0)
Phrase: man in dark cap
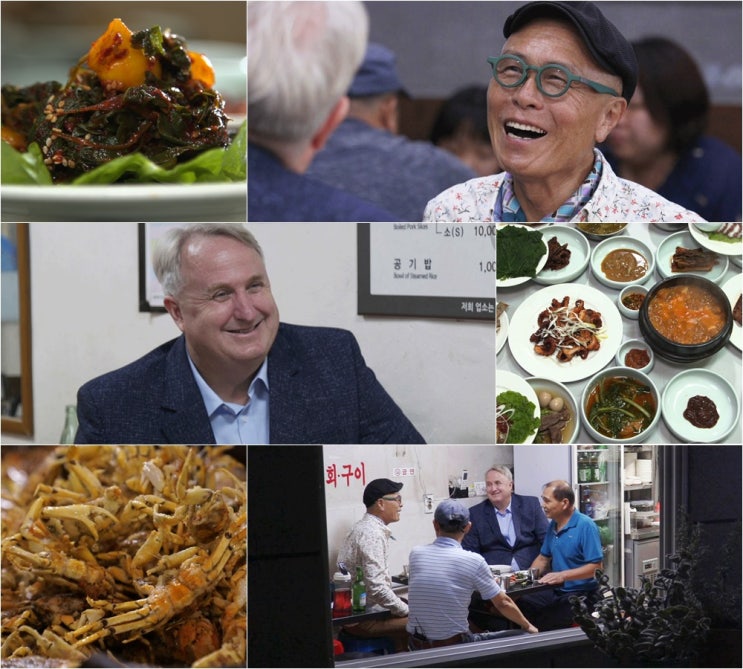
(443,577)
(366,157)
(367,546)
(561,83)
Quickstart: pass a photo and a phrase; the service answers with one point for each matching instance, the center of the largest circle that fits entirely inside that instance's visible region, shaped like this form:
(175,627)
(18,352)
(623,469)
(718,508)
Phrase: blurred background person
(660,142)
(461,127)
(301,59)
(365,155)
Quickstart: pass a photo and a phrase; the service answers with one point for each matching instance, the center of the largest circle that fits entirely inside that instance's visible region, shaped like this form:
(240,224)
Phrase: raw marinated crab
(134,551)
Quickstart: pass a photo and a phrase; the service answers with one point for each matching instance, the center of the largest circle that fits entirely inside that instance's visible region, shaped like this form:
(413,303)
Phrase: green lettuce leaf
(210,166)
(23,168)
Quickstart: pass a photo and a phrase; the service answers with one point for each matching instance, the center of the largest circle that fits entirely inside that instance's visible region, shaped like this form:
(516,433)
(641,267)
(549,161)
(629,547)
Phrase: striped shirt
(442,578)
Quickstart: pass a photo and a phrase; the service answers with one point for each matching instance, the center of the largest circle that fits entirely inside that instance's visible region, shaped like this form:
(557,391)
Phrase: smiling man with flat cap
(563,80)
(367,545)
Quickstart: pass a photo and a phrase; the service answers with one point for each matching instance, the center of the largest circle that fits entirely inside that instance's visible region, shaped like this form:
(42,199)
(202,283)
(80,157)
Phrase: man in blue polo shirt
(569,557)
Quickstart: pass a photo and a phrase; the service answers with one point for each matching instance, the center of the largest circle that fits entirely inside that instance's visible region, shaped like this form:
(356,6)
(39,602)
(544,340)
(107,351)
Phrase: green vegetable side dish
(518,411)
(620,407)
(518,251)
(720,237)
(138,107)
(213,165)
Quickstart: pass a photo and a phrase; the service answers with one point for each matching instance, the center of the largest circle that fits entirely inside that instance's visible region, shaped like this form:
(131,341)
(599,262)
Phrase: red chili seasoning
(633,300)
(637,358)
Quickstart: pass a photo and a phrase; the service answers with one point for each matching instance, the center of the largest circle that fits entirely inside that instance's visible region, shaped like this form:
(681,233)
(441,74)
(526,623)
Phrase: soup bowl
(666,329)
(601,231)
(615,384)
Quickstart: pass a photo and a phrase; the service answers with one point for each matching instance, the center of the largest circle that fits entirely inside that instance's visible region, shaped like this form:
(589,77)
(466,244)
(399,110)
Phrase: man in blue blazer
(236,374)
(506,528)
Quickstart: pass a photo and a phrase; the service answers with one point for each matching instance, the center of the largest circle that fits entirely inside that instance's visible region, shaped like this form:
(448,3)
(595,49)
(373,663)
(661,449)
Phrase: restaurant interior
(292,562)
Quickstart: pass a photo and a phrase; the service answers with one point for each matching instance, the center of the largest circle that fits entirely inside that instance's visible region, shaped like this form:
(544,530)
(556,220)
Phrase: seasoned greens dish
(137,107)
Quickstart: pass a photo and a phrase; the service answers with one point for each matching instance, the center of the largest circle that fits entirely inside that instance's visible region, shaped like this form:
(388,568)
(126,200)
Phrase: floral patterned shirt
(614,200)
(367,546)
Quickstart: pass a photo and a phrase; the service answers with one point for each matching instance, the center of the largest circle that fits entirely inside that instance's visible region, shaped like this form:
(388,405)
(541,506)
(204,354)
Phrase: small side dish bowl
(641,349)
(620,261)
(686,318)
(695,383)
(630,300)
(620,405)
(600,231)
(549,390)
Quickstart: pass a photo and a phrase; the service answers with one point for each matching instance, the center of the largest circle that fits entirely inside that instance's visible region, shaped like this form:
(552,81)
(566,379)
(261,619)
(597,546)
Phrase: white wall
(433,465)
(85,322)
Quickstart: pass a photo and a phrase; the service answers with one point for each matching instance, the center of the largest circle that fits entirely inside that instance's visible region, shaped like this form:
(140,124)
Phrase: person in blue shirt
(568,560)
(366,155)
(301,59)
(443,577)
(661,140)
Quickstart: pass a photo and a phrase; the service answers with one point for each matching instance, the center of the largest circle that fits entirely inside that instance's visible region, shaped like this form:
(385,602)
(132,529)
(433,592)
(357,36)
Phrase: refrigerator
(595,473)
(641,514)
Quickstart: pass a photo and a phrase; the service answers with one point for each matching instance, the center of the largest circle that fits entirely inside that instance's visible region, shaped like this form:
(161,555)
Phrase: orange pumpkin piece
(14,138)
(202,69)
(116,62)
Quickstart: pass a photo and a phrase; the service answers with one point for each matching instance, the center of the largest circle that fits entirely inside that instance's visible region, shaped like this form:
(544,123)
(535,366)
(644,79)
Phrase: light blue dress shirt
(237,423)
(505,522)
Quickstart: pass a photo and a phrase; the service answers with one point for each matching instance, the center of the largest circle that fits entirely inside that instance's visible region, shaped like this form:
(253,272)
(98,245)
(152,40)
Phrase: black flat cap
(606,44)
(379,488)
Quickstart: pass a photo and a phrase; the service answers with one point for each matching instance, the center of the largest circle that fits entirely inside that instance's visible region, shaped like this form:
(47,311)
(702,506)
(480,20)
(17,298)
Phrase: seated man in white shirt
(442,578)
(367,546)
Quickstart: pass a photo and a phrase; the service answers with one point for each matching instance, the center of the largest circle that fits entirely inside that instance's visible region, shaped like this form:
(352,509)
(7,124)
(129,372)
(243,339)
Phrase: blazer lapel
(288,415)
(184,417)
(493,522)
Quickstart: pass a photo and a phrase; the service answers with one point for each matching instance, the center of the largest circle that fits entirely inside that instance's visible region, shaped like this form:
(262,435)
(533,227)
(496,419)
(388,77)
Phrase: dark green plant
(662,621)
(717,589)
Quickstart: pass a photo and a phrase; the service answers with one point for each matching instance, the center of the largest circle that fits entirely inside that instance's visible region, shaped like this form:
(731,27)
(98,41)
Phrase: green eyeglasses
(553,80)
(397,499)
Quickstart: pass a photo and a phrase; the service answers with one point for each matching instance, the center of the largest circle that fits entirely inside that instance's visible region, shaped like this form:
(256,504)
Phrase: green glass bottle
(70,425)
(358,592)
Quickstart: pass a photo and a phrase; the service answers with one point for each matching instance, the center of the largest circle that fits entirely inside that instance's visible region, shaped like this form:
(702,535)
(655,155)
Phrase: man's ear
(389,113)
(333,120)
(609,118)
(172,307)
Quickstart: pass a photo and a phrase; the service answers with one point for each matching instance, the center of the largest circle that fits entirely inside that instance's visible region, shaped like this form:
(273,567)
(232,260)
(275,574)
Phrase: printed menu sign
(427,269)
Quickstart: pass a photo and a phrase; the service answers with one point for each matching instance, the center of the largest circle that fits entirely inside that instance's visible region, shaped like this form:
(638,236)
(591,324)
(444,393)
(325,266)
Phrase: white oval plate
(509,381)
(723,248)
(524,323)
(733,288)
(501,334)
(667,248)
(518,280)
(604,248)
(693,382)
(580,252)
(126,202)
(502,568)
